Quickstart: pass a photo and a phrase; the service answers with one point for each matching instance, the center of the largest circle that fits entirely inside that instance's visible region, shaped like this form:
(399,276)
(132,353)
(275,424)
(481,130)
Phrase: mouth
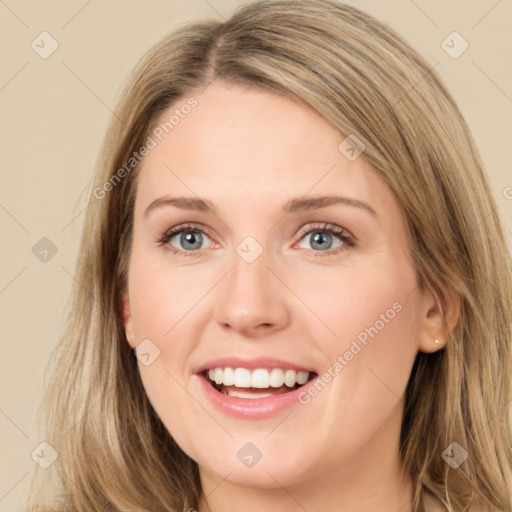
(256,383)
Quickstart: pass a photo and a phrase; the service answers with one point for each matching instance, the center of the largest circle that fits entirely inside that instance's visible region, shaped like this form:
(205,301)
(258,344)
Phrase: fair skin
(248,152)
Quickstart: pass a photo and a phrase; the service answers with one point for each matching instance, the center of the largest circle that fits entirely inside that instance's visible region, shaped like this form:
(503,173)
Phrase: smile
(257,392)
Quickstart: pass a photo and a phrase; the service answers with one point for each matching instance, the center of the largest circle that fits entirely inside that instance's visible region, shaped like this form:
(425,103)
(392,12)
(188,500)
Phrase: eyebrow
(291,206)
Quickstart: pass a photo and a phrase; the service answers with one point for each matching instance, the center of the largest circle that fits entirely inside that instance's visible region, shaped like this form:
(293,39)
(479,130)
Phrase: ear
(440,314)
(127,321)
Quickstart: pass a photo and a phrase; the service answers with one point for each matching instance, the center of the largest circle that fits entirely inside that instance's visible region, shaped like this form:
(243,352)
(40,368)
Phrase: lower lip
(251,408)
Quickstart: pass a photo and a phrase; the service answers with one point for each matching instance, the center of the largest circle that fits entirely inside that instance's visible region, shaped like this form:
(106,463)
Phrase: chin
(282,466)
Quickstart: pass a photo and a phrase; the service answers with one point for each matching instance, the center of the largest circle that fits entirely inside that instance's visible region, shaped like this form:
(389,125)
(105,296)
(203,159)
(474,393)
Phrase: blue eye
(320,240)
(189,238)
(323,236)
(325,239)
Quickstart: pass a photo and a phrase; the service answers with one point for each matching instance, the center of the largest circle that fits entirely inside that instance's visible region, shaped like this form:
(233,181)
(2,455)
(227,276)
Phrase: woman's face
(263,275)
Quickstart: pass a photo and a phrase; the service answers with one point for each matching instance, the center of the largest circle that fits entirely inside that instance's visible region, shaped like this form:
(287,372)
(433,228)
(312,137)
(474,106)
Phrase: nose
(252,300)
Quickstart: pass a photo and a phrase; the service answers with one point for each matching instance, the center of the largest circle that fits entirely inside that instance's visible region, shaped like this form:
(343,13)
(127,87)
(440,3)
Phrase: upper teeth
(259,378)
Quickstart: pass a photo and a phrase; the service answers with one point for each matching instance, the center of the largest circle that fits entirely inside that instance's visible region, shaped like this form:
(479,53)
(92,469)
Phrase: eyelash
(347,239)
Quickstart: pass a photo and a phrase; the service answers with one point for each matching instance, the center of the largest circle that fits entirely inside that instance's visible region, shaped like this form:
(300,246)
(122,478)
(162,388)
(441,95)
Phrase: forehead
(242,145)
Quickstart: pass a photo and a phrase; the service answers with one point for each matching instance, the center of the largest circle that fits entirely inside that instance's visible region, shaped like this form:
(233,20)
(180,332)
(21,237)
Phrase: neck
(372,479)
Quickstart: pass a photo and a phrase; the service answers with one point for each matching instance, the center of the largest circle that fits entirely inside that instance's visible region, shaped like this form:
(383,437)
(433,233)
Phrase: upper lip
(251,364)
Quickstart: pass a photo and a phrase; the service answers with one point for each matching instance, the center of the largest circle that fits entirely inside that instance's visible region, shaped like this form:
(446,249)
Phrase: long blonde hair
(114,452)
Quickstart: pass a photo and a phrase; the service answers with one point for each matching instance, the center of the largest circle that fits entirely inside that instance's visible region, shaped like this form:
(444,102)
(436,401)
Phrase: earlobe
(441,312)
(127,321)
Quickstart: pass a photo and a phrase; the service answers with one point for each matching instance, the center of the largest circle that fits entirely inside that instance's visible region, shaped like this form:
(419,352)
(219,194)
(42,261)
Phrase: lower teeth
(252,393)
(246,395)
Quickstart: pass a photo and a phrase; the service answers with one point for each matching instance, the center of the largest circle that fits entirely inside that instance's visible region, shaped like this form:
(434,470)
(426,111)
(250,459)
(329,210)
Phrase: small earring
(436,341)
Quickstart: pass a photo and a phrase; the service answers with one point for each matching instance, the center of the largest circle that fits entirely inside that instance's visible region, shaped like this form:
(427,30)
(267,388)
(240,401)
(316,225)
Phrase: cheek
(372,317)
(362,302)
(161,298)
(162,310)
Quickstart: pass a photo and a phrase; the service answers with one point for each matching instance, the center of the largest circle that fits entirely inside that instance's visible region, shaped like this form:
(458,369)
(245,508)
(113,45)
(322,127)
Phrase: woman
(294,289)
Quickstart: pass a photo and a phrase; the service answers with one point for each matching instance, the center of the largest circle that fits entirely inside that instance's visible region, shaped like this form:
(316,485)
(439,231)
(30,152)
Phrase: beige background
(54,113)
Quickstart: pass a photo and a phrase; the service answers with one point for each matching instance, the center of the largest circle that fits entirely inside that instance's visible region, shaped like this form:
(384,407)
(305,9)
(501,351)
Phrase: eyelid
(327,227)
